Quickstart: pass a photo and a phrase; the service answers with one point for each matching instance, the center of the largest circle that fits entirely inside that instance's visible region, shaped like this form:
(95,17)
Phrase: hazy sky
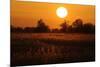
(26,14)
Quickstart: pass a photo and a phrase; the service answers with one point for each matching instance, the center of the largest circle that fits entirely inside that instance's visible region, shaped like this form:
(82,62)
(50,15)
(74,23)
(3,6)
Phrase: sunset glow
(26,14)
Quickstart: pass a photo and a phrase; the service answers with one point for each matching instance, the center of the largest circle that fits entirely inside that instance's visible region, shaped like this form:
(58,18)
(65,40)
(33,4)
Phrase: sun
(62,12)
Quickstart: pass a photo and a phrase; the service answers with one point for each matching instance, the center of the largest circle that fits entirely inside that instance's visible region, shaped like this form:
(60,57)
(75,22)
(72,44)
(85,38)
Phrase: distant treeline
(76,27)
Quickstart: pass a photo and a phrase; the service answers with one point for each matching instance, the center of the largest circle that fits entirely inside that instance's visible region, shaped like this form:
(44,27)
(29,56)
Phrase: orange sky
(26,14)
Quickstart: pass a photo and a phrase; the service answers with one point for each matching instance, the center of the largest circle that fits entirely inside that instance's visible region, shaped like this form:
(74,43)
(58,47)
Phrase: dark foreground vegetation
(36,51)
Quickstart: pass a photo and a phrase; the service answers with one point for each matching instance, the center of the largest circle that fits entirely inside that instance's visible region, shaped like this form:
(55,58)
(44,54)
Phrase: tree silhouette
(42,27)
(56,30)
(29,29)
(70,29)
(16,29)
(77,25)
(89,28)
(64,27)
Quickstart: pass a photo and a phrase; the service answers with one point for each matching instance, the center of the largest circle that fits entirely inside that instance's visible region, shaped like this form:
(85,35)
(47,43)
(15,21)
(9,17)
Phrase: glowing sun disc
(61,12)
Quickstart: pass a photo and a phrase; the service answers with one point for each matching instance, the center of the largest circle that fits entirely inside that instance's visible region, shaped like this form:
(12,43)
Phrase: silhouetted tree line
(76,27)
